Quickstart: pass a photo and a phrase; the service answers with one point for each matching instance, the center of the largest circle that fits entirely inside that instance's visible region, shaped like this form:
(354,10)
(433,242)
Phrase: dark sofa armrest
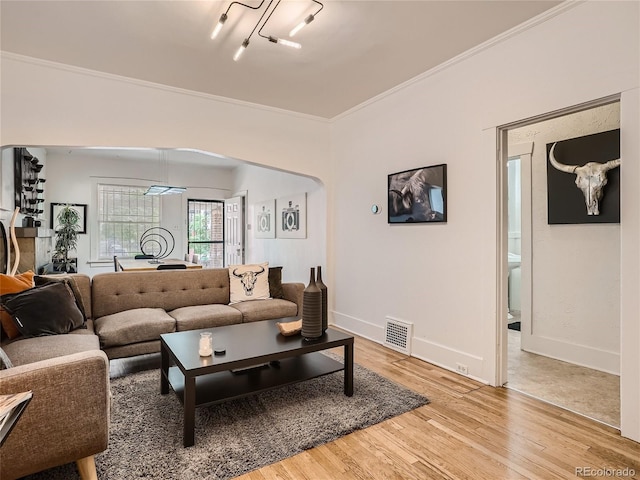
(293,292)
(67,418)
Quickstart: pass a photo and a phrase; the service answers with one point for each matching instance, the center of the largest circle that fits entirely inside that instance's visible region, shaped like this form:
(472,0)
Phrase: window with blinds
(124,213)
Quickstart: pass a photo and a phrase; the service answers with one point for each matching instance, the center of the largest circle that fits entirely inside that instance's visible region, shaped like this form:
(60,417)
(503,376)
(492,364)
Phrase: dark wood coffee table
(201,381)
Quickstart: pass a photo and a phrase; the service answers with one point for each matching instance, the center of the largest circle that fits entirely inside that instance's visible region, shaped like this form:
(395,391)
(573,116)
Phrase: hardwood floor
(468,431)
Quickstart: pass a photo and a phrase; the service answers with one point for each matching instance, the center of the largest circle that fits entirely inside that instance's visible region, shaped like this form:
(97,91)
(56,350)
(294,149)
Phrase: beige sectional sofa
(68,417)
(132,309)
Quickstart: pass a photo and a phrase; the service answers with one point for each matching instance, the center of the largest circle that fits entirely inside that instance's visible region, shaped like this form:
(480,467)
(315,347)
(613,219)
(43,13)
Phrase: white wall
(45,103)
(295,255)
(443,277)
(630,269)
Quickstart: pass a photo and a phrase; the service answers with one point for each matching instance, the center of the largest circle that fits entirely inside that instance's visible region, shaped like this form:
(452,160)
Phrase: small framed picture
(265,222)
(291,216)
(79,207)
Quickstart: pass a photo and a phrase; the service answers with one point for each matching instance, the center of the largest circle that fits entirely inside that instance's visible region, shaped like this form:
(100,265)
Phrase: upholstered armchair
(67,419)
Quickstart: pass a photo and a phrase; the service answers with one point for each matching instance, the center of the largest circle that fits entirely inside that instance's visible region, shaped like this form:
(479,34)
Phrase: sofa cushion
(40,280)
(205,316)
(266,309)
(30,350)
(115,292)
(47,310)
(133,326)
(13,284)
(275,282)
(248,282)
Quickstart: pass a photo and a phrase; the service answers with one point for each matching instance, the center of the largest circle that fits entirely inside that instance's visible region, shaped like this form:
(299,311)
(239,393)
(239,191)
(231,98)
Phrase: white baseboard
(431,352)
(601,360)
(448,358)
(368,330)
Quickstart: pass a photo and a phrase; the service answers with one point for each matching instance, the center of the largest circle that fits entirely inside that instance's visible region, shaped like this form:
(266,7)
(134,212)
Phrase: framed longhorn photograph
(583,179)
(418,195)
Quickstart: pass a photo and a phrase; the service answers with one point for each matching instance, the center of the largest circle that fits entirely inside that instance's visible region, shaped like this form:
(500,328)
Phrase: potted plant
(66,239)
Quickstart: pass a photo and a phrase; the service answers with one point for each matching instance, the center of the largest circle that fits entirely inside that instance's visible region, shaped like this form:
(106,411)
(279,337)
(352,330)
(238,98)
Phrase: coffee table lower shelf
(221,386)
(198,382)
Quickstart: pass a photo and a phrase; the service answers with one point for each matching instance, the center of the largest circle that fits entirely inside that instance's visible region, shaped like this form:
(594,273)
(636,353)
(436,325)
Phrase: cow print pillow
(249,282)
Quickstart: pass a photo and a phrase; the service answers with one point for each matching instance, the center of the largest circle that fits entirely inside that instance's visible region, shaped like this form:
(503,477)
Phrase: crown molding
(158,86)
(513,32)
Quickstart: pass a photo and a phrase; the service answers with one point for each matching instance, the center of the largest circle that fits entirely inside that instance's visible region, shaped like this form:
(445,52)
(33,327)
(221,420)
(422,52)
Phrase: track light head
(285,42)
(302,24)
(241,50)
(219,25)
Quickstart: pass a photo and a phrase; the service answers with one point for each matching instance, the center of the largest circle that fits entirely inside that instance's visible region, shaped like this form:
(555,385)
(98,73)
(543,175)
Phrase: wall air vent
(397,335)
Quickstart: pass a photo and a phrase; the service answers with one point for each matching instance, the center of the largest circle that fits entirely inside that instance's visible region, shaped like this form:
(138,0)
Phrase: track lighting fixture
(280,41)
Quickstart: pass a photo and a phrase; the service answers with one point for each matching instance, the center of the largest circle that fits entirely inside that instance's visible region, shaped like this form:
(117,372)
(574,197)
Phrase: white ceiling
(353,51)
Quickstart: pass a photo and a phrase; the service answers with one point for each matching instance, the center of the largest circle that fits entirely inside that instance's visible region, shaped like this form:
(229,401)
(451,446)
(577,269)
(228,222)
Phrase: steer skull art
(590,178)
(248,279)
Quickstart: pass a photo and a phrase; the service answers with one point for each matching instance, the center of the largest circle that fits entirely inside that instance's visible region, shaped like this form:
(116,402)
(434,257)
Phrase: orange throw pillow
(15,284)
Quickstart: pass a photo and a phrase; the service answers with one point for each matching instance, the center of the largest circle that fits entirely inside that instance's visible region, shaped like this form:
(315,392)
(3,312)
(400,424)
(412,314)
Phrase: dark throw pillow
(275,282)
(47,310)
(39,280)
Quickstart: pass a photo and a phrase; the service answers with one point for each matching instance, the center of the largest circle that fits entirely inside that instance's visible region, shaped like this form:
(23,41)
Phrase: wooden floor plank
(468,431)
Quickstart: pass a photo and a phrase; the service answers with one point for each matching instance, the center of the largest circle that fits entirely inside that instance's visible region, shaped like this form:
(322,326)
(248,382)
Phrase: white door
(234,231)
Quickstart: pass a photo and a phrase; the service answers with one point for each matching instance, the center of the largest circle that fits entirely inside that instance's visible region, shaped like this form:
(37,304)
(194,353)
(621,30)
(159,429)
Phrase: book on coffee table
(11,408)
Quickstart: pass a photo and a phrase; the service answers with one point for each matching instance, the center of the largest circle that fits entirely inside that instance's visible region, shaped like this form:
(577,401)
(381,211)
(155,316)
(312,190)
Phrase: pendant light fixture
(273,39)
(165,189)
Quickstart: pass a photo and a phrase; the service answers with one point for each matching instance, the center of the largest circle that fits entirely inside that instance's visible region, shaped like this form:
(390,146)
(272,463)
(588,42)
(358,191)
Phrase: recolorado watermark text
(605,472)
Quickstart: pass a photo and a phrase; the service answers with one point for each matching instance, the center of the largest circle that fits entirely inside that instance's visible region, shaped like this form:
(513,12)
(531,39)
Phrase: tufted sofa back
(115,292)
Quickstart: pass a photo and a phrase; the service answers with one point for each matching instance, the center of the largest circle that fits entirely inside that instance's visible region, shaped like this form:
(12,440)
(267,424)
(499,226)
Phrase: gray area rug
(237,436)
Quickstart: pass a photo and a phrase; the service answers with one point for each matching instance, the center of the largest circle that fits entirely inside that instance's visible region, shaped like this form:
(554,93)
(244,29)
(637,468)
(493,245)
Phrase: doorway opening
(560,279)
